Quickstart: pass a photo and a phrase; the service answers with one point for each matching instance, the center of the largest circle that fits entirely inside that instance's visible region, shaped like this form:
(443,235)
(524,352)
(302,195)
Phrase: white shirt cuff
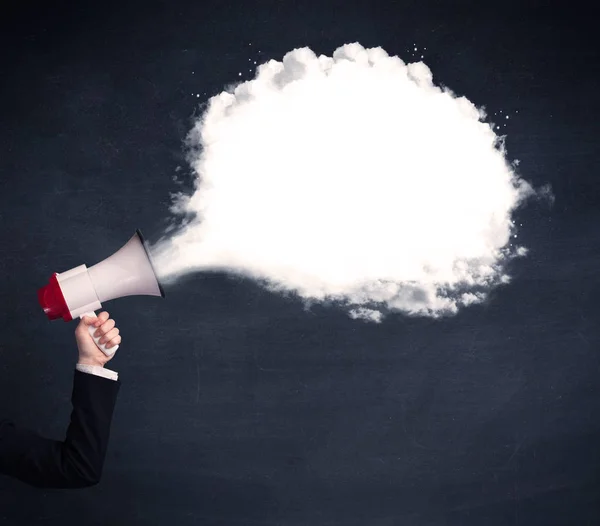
(97,370)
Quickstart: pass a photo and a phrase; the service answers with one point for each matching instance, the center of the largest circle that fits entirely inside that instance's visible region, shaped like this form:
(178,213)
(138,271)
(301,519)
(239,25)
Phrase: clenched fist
(89,353)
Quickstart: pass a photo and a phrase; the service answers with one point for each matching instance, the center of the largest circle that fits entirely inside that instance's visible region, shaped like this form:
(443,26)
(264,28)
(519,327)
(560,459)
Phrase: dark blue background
(237,406)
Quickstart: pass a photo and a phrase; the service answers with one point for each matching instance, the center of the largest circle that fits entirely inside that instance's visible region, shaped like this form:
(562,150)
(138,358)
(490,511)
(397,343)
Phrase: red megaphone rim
(53,301)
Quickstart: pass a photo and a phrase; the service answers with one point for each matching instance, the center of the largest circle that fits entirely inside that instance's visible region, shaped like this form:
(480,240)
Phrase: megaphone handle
(92,330)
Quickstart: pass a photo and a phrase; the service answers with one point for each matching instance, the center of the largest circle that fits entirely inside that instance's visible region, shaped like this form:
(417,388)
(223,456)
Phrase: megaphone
(81,291)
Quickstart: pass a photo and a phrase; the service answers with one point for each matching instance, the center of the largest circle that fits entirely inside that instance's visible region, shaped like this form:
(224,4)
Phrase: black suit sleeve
(78,461)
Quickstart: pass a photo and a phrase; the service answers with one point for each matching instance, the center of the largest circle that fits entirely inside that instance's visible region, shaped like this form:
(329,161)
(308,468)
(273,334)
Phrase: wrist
(90,362)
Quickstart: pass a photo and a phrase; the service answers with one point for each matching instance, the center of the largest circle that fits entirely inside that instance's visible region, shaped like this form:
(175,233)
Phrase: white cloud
(351,178)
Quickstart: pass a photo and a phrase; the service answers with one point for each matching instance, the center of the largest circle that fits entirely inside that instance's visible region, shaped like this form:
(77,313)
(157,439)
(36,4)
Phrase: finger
(102,317)
(109,336)
(89,320)
(104,328)
(113,342)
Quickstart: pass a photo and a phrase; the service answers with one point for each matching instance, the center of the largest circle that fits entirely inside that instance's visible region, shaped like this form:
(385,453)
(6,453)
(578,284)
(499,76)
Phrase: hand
(89,353)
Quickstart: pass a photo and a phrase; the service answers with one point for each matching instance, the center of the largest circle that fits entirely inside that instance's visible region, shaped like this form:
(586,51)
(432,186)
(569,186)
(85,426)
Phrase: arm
(77,462)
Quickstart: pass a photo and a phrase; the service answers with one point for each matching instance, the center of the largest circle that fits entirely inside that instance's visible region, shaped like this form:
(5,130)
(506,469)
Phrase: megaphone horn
(80,291)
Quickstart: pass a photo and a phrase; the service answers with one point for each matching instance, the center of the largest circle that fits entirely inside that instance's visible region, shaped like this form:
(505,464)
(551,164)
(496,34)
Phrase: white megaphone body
(81,291)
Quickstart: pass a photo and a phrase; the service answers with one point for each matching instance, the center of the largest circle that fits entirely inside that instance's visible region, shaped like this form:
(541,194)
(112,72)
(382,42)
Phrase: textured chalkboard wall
(238,407)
